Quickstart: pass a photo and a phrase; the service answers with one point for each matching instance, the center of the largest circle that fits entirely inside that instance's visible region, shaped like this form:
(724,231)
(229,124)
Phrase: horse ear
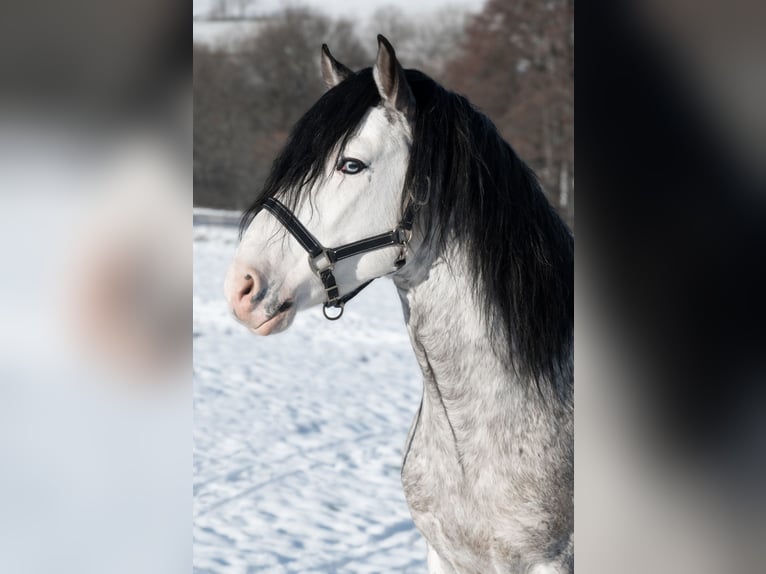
(333,72)
(391,80)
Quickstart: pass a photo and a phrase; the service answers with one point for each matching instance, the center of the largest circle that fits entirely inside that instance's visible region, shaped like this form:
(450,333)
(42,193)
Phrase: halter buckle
(324,261)
(404,236)
(338,305)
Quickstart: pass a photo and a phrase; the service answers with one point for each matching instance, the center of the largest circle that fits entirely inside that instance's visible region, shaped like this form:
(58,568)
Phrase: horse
(390,174)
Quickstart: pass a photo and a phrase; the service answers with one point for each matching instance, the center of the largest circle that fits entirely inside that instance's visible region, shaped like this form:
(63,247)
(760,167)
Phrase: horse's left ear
(391,80)
(333,72)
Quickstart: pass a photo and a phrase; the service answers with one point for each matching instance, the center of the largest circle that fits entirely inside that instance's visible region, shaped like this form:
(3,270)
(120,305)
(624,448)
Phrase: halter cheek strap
(322,259)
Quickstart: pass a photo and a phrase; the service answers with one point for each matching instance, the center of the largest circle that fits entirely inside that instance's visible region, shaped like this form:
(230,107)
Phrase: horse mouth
(277,322)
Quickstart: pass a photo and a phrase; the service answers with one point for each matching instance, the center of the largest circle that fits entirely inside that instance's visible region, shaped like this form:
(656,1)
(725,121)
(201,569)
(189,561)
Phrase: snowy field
(298,438)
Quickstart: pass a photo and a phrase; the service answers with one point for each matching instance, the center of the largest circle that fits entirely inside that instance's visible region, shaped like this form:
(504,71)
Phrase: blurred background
(256,71)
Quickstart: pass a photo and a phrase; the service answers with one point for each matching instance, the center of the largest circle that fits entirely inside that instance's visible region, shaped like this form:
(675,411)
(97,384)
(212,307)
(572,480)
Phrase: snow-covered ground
(298,437)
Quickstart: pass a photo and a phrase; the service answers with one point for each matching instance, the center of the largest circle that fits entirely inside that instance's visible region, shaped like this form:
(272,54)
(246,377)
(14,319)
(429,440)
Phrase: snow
(226,34)
(298,437)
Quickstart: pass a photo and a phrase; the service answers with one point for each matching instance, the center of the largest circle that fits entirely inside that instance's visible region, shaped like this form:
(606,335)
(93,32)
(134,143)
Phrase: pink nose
(244,291)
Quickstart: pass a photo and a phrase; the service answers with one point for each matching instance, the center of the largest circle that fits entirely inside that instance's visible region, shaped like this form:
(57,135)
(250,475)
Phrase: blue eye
(351,166)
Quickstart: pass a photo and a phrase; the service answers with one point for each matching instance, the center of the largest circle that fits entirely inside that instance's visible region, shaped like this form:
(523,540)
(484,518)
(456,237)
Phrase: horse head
(338,180)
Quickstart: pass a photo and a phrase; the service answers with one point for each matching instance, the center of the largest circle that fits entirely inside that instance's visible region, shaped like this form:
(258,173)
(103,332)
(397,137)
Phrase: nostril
(247,287)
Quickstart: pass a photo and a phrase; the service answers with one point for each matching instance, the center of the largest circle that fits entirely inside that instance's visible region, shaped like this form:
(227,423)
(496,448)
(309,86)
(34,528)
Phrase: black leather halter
(322,259)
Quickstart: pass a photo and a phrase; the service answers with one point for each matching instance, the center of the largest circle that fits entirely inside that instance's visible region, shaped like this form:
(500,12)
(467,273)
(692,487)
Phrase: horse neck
(472,399)
(442,315)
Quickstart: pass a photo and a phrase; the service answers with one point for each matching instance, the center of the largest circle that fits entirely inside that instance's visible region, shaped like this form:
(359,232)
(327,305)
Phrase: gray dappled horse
(391,174)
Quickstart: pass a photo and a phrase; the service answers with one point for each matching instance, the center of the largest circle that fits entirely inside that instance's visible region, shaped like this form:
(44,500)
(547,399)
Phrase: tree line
(514,60)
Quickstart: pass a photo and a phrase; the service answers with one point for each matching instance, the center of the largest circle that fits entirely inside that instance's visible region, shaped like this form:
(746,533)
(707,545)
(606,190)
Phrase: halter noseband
(322,259)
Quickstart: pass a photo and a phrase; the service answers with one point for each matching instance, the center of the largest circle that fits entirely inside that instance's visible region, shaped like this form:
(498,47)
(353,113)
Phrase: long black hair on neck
(470,187)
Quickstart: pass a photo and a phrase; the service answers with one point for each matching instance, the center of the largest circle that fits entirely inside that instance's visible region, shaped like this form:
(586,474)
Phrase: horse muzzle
(253,303)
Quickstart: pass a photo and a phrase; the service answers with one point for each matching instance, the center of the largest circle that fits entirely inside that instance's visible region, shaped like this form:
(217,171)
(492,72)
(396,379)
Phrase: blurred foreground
(670,365)
(95,199)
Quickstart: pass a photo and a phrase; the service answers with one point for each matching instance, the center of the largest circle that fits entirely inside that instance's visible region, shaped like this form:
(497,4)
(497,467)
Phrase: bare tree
(247,98)
(518,66)
(220,9)
(243,7)
(427,44)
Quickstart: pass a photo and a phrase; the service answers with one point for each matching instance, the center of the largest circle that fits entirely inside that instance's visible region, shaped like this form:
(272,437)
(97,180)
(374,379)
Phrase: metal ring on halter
(331,317)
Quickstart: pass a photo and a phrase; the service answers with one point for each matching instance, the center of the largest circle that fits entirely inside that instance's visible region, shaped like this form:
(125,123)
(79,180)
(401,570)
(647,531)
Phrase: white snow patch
(298,437)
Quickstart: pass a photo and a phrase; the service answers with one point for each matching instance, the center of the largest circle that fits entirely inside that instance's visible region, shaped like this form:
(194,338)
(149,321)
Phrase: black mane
(471,187)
